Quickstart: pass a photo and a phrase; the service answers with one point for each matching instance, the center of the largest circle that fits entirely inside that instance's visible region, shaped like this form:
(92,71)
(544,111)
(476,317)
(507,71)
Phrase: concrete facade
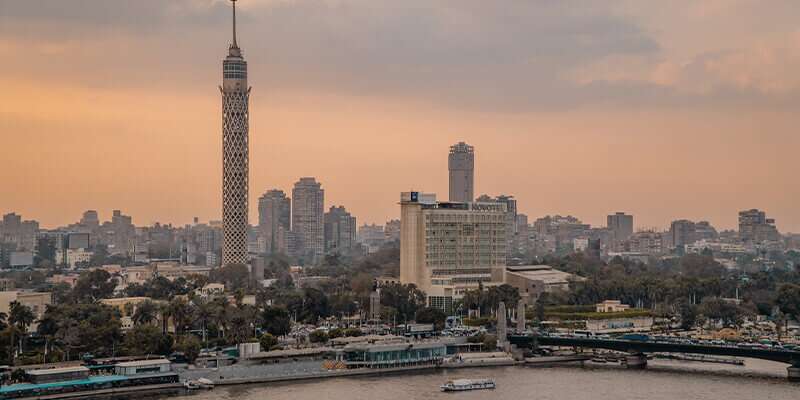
(446,248)
(308,219)
(461,165)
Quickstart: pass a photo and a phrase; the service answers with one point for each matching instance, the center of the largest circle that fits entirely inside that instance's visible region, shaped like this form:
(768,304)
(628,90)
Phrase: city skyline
(145,140)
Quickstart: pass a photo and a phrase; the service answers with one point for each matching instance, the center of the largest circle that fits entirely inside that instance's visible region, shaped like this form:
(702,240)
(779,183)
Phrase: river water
(663,379)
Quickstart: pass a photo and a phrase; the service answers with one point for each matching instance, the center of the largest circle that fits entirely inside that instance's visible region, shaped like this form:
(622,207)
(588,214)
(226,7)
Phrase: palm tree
(181,312)
(146,312)
(205,312)
(21,317)
(221,314)
(3,319)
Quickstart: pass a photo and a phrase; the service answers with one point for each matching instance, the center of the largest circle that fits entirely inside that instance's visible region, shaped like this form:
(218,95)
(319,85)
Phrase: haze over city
(664,110)
(374,199)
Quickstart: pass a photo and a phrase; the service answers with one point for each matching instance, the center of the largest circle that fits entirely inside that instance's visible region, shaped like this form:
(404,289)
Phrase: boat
(460,385)
(200,383)
(205,383)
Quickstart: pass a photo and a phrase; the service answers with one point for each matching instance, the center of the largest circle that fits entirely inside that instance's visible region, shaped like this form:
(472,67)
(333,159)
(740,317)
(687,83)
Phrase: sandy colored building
(36,301)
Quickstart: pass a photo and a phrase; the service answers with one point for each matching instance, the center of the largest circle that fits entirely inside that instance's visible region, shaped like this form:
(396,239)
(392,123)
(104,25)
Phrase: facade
(511,218)
(21,235)
(127,308)
(308,219)
(371,237)
(611,306)
(36,301)
(533,280)
(620,225)
(461,164)
(340,230)
(392,355)
(681,233)
(755,227)
(446,248)
(646,242)
(274,220)
(235,154)
(392,230)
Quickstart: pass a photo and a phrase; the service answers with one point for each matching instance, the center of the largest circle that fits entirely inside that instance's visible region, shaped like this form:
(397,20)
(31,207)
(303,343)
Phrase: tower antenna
(234,23)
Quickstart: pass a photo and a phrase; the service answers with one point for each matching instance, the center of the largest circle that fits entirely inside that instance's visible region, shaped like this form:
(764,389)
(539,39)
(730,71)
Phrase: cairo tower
(235,153)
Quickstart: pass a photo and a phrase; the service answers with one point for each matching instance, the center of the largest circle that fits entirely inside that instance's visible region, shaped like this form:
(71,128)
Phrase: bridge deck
(779,355)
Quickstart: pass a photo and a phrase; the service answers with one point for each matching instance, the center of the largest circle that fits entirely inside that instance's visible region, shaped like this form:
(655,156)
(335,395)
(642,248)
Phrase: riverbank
(115,393)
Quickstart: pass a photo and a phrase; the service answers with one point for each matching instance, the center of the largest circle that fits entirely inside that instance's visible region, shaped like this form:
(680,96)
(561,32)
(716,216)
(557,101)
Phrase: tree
(243,323)
(20,317)
(234,276)
(204,314)
(276,321)
(318,336)
(146,313)
(688,315)
(181,313)
(406,299)
(788,299)
(85,328)
(315,305)
(431,315)
(93,285)
(189,345)
(147,339)
(726,312)
(268,342)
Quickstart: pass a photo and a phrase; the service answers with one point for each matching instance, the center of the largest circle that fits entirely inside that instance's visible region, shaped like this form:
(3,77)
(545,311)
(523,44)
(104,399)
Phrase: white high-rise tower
(235,153)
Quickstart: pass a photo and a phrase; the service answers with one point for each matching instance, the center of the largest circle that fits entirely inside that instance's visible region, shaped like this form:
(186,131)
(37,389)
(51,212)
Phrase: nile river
(758,380)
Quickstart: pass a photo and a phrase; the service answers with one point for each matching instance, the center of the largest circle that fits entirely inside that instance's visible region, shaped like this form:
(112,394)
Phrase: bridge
(637,348)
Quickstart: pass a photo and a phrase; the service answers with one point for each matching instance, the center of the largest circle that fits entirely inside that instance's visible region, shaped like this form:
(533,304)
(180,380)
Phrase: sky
(662,109)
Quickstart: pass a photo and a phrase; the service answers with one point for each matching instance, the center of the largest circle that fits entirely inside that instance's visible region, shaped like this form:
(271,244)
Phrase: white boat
(200,383)
(460,385)
(205,383)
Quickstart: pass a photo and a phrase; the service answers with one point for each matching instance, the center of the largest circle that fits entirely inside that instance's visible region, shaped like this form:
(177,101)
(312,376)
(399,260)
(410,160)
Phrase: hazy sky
(664,109)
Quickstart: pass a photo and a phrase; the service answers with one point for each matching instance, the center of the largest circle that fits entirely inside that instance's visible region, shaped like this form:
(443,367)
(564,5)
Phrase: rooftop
(144,363)
(50,371)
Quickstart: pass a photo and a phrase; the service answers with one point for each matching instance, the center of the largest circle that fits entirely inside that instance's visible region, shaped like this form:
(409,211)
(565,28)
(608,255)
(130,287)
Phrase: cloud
(512,55)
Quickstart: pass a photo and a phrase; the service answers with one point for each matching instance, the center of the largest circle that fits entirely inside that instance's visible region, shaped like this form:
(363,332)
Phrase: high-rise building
(340,230)
(21,235)
(308,219)
(392,230)
(511,218)
(447,248)
(274,220)
(90,220)
(620,225)
(235,153)
(681,233)
(461,164)
(755,227)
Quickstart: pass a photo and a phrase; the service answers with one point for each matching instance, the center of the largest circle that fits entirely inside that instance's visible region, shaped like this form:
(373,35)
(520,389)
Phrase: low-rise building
(36,301)
(127,308)
(143,367)
(611,306)
(533,280)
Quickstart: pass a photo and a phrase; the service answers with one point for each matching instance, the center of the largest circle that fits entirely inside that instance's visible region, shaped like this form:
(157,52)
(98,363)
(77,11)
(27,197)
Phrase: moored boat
(459,385)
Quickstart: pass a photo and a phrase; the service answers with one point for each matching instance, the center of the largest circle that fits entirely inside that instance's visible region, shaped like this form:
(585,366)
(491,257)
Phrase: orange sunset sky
(663,109)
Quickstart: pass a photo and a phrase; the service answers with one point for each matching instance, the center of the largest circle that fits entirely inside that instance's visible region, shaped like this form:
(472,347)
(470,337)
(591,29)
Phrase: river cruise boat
(460,385)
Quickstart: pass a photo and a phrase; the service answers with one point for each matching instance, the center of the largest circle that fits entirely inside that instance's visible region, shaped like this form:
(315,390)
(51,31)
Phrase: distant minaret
(235,153)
